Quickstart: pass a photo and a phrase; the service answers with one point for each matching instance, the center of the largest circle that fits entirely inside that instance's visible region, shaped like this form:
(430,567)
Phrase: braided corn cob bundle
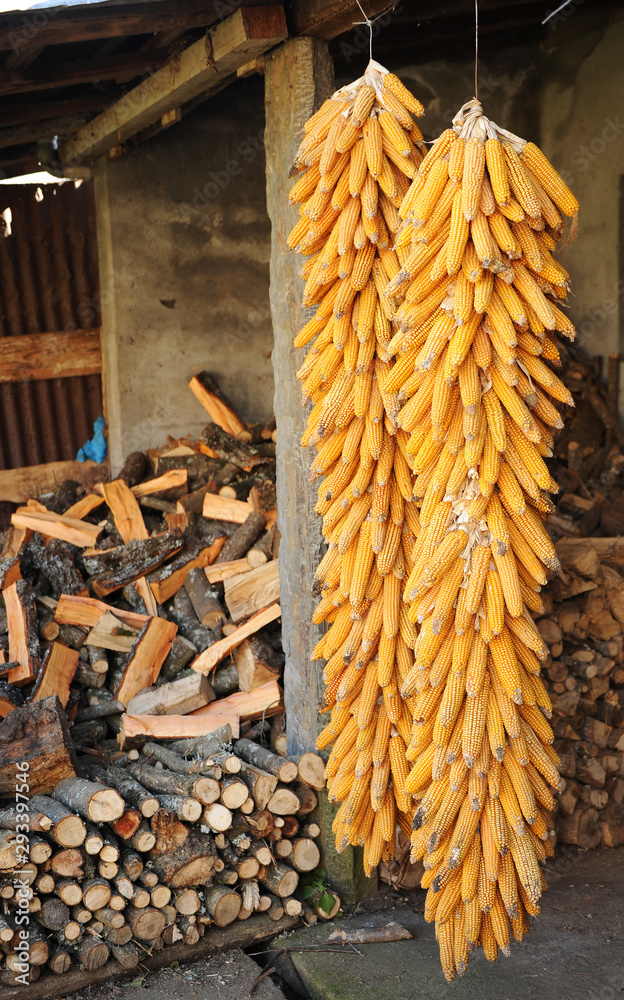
(479,292)
(359,153)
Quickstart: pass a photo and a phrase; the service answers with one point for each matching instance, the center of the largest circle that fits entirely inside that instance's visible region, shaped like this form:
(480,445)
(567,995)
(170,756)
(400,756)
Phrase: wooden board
(240,934)
(50,355)
(57,671)
(18,485)
(209,659)
(298,78)
(165,727)
(193,72)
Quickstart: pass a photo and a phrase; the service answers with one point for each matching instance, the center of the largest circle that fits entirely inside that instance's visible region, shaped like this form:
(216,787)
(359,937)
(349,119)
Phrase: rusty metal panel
(48,283)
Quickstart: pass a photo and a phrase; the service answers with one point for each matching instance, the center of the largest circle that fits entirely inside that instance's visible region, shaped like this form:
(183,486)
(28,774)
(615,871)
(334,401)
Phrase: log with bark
(37,735)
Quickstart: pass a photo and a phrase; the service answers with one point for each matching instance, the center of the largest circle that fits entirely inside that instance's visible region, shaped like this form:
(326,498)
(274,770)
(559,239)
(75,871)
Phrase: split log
(68,529)
(90,799)
(256,663)
(252,753)
(223,905)
(203,597)
(207,660)
(56,674)
(218,508)
(19,601)
(146,727)
(221,571)
(581,828)
(112,633)
(36,734)
(146,658)
(10,851)
(251,527)
(68,829)
(11,697)
(130,789)
(170,577)
(10,572)
(190,864)
(261,703)
(251,592)
(57,564)
(218,443)
(87,611)
(113,568)
(175,698)
(215,402)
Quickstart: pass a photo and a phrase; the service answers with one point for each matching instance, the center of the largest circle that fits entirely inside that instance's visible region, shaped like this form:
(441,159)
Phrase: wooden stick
(207,660)
(221,571)
(251,592)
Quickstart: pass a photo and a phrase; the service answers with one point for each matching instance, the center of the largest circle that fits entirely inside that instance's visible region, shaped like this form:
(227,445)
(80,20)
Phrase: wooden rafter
(199,69)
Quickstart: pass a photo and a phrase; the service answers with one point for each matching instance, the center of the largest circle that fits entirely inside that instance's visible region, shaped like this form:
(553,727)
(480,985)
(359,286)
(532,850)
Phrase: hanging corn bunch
(479,293)
(359,153)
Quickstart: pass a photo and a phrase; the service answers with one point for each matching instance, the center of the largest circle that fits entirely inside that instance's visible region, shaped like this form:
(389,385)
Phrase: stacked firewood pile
(123,600)
(584,609)
(132,852)
(583,628)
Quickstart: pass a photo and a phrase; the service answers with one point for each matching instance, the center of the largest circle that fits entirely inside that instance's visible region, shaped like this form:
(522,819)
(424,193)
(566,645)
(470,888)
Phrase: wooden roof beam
(200,68)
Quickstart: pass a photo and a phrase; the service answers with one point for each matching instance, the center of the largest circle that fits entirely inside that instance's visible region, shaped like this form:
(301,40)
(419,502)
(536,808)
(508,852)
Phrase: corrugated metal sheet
(48,283)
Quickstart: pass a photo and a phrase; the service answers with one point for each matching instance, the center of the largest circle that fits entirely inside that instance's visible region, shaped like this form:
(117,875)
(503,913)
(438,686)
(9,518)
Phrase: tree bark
(37,734)
(284,770)
(239,543)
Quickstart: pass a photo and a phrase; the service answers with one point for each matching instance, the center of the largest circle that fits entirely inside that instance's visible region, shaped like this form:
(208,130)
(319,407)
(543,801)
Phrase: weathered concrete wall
(184,245)
(582,130)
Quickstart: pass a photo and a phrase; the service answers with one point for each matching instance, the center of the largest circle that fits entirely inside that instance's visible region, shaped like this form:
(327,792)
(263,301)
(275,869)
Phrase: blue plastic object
(95,449)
